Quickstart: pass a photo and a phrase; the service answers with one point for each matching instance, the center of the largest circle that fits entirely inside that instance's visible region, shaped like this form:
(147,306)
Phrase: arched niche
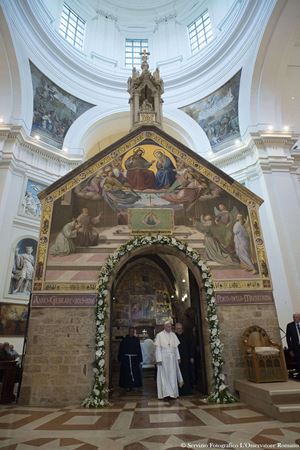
(97,129)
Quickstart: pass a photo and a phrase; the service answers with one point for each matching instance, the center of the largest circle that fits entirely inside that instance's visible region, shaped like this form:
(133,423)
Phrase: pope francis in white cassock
(167,359)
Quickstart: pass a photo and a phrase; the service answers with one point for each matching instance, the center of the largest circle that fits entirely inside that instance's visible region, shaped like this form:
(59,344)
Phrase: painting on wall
(150,180)
(54,110)
(13,319)
(31,205)
(143,220)
(23,267)
(217,114)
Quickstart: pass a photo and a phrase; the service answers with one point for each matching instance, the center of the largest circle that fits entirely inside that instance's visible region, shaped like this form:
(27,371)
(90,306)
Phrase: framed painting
(13,319)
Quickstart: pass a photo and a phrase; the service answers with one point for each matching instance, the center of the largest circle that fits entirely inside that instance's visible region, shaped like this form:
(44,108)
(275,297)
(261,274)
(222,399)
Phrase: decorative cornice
(254,149)
(21,154)
(265,139)
(165,18)
(25,222)
(107,15)
(16,133)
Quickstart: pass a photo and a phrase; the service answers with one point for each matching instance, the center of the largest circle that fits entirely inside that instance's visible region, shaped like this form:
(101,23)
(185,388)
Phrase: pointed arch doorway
(150,286)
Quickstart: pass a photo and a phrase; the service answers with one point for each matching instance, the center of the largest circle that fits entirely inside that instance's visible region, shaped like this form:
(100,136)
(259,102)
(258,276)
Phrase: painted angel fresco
(227,238)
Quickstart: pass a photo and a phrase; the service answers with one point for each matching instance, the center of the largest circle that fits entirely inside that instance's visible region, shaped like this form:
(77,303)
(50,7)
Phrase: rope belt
(130,364)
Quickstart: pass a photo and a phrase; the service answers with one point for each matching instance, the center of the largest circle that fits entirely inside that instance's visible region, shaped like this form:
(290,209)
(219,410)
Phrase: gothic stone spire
(145,91)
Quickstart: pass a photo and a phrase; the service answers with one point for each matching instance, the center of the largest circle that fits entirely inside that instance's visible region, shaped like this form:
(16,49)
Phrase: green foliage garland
(99,395)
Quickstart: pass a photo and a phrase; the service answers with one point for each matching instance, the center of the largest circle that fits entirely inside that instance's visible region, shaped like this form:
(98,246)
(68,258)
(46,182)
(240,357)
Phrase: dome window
(72,27)
(133,50)
(200,32)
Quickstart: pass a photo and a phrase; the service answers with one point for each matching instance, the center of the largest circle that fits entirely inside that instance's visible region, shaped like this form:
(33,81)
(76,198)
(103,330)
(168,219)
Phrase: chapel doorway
(149,289)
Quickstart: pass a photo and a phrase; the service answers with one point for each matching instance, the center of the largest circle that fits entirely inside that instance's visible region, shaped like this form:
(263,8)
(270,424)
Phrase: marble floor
(133,422)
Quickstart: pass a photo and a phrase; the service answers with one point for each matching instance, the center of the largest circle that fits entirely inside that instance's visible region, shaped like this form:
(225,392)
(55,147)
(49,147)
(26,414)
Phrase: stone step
(279,400)
(286,398)
(287,412)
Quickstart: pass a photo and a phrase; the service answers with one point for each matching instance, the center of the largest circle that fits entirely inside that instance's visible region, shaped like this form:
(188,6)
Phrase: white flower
(101,362)
(204,275)
(98,353)
(96,391)
(189,249)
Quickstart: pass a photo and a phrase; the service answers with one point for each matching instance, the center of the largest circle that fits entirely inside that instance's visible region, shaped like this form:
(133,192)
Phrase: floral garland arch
(99,395)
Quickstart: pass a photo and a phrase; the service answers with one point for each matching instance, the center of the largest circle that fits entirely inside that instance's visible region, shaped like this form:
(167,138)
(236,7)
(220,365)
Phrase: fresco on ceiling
(31,205)
(94,215)
(23,267)
(217,114)
(54,110)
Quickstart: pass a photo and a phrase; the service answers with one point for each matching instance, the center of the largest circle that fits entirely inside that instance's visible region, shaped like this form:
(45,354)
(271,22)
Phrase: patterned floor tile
(187,419)
(226,415)
(20,418)
(145,424)
(103,421)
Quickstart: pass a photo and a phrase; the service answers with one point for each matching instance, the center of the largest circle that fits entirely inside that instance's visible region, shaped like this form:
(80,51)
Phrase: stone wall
(60,352)
(234,319)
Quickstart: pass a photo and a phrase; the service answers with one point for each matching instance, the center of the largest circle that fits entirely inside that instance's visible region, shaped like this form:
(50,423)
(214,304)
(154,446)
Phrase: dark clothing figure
(186,367)
(293,341)
(130,357)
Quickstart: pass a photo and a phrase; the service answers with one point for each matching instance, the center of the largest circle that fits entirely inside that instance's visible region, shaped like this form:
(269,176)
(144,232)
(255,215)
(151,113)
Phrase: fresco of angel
(242,243)
(214,248)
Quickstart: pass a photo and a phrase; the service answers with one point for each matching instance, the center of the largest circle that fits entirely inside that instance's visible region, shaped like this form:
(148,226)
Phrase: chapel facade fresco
(155,182)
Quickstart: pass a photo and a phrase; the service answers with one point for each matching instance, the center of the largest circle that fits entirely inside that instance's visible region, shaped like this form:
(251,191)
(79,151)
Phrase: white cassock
(168,372)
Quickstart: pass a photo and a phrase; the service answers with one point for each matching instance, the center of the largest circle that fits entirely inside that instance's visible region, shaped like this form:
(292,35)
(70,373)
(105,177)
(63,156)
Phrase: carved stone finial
(144,54)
